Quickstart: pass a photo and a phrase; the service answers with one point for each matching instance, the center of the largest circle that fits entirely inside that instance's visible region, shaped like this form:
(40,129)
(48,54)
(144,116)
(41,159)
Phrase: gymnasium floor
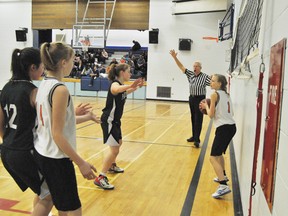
(159,166)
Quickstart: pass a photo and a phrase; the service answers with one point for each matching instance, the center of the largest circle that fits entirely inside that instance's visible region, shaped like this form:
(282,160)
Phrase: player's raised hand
(82,109)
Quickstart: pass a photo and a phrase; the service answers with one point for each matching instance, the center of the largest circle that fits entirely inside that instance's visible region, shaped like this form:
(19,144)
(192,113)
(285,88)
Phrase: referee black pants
(196,116)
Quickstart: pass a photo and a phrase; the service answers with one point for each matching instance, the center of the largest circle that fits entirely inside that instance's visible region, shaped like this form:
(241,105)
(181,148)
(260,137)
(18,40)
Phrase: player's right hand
(87,170)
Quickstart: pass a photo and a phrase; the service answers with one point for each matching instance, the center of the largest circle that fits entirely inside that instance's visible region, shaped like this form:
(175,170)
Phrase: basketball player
(17,122)
(225,130)
(198,82)
(111,119)
(56,143)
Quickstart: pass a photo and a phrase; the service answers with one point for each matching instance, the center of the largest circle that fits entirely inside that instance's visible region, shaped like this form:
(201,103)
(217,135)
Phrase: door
(272,120)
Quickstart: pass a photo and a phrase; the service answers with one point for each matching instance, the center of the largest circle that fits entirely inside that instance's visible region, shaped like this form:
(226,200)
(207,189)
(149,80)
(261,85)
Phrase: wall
(162,70)
(13,14)
(243,92)
(115,37)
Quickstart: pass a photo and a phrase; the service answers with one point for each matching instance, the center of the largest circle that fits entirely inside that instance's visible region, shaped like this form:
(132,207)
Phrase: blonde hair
(53,53)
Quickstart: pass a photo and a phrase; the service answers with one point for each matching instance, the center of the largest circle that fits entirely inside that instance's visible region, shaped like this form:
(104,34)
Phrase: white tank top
(44,143)
(224,110)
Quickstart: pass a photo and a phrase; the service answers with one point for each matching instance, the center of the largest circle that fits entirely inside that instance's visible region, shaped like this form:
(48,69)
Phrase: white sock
(103,174)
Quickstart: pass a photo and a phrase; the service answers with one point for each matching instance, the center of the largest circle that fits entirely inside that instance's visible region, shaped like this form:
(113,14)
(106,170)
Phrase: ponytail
(53,53)
(115,70)
(22,61)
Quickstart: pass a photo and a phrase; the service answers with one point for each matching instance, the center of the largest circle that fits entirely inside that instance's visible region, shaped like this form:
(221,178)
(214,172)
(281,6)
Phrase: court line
(237,203)
(95,123)
(191,193)
(89,158)
(145,150)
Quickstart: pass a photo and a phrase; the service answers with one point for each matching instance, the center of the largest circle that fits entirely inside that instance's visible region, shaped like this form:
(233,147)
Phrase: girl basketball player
(225,130)
(17,122)
(111,119)
(56,143)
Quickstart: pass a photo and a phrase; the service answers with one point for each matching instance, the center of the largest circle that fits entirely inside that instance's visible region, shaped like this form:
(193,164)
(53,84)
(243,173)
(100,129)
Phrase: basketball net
(85,44)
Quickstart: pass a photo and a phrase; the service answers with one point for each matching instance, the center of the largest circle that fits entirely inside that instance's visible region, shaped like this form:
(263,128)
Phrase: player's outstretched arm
(116,88)
(174,54)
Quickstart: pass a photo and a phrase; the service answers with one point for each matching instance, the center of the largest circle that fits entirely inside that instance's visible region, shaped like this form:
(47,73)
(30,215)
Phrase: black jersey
(19,115)
(113,110)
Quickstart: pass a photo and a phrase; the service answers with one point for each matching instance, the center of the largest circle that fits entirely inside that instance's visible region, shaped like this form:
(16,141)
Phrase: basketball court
(165,175)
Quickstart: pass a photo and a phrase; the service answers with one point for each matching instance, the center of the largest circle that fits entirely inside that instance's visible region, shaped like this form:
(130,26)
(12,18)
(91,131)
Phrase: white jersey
(223,111)
(44,144)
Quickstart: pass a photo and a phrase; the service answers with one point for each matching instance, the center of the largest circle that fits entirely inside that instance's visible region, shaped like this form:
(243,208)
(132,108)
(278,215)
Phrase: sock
(223,182)
(103,174)
(224,172)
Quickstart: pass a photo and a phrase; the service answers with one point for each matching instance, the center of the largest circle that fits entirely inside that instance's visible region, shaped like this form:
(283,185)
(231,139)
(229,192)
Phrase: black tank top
(19,115)
(113,110)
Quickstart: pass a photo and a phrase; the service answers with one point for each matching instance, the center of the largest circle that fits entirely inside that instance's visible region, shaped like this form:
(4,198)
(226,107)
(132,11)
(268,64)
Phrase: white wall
(13,14)
(243,93)
(115,37)
(162,70)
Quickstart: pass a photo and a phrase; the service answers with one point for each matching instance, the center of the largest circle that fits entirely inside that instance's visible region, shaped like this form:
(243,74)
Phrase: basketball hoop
(211,38)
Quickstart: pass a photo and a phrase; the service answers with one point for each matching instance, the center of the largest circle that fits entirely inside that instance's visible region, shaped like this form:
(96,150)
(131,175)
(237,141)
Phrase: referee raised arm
(197,83)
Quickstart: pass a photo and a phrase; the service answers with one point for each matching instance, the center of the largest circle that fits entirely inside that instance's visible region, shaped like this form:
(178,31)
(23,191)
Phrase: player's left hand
(82,109)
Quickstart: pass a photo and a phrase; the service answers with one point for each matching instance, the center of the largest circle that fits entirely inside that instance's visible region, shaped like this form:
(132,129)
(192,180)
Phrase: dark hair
(53,53)
(115,70)
(222,79)
(22,61)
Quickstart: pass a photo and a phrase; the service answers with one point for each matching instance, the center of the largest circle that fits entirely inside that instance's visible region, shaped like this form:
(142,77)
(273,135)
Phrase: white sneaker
(217,179)
(222,190)
(115,169)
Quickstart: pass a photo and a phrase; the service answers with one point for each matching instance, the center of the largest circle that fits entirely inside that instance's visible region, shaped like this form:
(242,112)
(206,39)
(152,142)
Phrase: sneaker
(102,181)
(216,179)
(222,190)
(191,139)
(115,169)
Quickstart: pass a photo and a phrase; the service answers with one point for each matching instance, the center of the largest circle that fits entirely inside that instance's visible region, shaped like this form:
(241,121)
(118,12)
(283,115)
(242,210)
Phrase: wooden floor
(159,165)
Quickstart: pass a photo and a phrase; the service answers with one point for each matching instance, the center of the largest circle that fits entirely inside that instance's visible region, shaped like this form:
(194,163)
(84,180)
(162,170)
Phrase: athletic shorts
(21,165)
(61,179)
(111,133)
(223,136)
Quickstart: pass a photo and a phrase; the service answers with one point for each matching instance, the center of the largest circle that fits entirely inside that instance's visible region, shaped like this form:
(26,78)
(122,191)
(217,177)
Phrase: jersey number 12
(12,108)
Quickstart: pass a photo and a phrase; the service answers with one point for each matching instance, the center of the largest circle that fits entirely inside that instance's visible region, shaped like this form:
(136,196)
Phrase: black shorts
(223,136)
(111,133)
(61,179)
(23,168)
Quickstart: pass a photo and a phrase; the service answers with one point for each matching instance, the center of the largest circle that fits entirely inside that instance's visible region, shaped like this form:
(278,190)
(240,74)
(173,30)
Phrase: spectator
(94,73)
(114,61)
(136,46)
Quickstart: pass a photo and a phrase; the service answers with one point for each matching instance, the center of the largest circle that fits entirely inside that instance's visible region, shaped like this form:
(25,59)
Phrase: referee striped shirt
(197,83)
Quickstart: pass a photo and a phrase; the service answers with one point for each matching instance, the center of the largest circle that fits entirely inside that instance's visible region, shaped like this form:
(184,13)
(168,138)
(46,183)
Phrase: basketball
(201,106)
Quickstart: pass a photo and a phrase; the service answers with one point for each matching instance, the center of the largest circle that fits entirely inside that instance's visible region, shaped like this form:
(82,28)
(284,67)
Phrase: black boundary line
(237,203)
(188,204)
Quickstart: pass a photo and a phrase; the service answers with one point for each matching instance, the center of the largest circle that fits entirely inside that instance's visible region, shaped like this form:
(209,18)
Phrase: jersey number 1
(14,114)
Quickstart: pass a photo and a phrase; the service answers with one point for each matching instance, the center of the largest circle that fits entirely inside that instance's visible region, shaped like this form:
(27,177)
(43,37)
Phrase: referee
(197,83)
